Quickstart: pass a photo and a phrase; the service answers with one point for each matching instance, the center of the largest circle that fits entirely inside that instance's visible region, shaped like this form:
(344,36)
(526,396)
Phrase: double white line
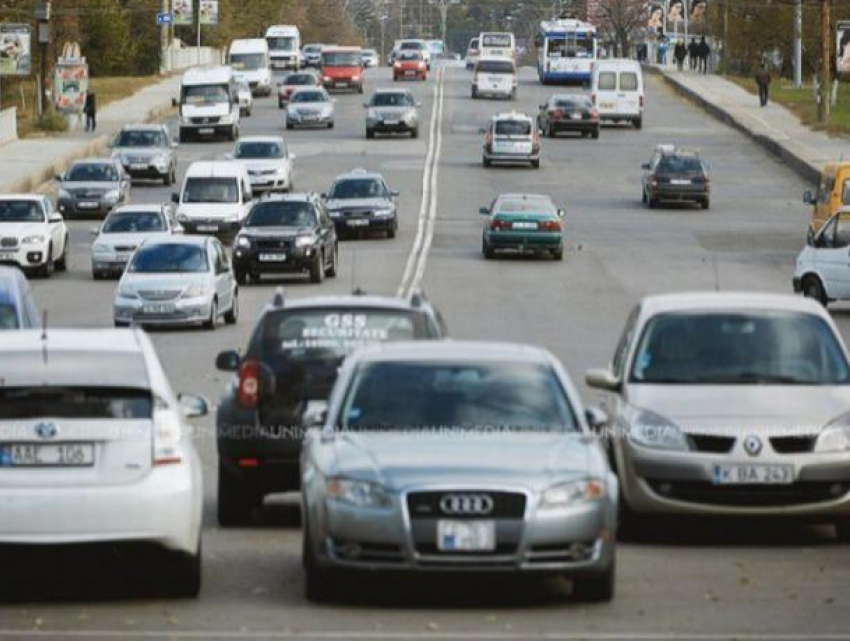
(414,271)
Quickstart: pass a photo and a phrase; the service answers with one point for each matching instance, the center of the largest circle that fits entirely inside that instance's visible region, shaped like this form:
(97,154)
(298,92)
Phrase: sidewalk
(773,127)
(26,164)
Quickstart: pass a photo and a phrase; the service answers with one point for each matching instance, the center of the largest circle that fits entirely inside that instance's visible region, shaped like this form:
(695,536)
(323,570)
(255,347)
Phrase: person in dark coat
(703,51)
(763,81)
(90,110)
(680,52)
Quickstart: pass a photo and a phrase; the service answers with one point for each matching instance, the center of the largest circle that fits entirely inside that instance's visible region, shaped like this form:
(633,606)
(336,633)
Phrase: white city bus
(566,51)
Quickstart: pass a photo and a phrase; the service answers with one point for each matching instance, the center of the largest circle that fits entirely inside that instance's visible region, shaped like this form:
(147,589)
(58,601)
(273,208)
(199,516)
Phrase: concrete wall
(8,125)
(178,58)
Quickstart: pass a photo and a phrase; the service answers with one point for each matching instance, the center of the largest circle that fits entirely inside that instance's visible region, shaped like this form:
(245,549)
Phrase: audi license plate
(206,130)
(753,474)
(87,204)
(409,72)
(342,85)
(159,308)
(208,228)
(466,536)
(357,222)
(391,123)
(272,258)
(47,455)
(138,166)
(7,256)
(576,115)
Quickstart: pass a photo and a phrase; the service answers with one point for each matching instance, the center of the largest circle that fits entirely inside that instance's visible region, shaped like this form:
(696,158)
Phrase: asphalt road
(686,580)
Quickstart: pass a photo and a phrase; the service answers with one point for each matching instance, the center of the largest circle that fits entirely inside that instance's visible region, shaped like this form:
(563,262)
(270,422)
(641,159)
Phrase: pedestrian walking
(763,81)
(703,51)
(662,50)
(90,110)
(693,54)
(680,52)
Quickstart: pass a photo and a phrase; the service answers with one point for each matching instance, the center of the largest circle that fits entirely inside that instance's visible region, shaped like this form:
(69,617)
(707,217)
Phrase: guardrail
(178,58)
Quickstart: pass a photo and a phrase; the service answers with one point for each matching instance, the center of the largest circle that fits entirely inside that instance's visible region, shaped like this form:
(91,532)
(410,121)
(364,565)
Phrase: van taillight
(249,384)
(642,101)
(593,98)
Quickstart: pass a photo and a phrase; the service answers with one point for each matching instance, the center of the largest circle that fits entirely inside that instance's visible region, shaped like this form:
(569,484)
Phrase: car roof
(453,351)
(95,161)
(511,115)
(139,208)
(32,197)
(260,139)
(77,357)
(182,239)
(143,127)
(214,169)
(720,301)
(392,90)
(569,96)
(525,198)
(303,89)
(211,74)
(359,173)
(353,301)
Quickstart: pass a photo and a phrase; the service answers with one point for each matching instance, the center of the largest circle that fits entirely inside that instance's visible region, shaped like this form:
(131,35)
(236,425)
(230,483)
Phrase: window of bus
(570,47)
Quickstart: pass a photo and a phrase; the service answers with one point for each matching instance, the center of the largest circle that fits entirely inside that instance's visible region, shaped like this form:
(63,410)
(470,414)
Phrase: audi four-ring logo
(470,504)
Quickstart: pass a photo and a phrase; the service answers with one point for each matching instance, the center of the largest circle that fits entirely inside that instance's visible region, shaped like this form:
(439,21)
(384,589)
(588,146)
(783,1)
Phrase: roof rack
(279,298)
(418,298)
(358,291)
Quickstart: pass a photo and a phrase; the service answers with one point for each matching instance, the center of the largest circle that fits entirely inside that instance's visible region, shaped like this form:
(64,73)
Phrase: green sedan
(523,223)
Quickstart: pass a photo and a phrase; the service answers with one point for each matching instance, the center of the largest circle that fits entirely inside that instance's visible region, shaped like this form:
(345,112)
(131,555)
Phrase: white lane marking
(427,186)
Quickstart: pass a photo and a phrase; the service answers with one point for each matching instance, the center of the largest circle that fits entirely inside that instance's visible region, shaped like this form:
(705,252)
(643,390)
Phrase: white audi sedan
(93,449)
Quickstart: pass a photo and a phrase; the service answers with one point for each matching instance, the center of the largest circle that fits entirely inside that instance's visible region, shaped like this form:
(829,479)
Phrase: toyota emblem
(466,504)
(752,445)
(46,431)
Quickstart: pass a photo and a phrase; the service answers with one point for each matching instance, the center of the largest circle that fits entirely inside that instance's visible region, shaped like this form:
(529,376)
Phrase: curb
(805,169)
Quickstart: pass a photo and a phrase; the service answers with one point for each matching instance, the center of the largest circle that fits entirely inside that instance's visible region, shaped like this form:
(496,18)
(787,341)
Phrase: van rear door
(629,93)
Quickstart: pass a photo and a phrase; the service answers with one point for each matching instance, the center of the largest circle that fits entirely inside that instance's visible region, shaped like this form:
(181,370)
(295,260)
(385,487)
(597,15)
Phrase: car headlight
(125,291)
(195,291)
(100,248)
(383,213)
(161,160)
(112,195)
(226,119)
(33,240)
(304,241)
(243,241)
(835,437)
(182,218)
(653,430)
(327,78)
(566,494)
(63,193)
(357,493)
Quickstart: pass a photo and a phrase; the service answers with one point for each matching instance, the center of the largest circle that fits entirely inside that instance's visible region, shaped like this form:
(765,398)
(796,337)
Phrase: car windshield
(253,149)
(357,188)
(309,96)
(281,43)
(298,79)
(513,128)
(205,94)
(91,173)
(579,102)
(768,348)
(312,48)
(134,222)
(410,55)
(211,190)
(392,99)
(416,46)
(495,66)
(20,211)
(528,206)
(8,316)
(336,332)
(248,61)
(342,59)
(140,139)
(476,396)
(17,403)
(282,213)
(673,164)
(169,258)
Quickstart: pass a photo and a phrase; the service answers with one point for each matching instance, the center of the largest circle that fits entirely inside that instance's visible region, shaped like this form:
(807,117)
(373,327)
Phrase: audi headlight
(304,241)
(125,291)
(161,161)
(243,241)
(383,213)
(182,218)
(653,430)
(112,195)
(33,240)
(572,493)
(835,437)
(357,493)
(100,248)
(65,194)
(196,291)
(227,119)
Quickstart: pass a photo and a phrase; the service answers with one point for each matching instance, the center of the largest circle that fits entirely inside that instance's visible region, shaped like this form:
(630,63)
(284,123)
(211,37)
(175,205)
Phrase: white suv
(33,235)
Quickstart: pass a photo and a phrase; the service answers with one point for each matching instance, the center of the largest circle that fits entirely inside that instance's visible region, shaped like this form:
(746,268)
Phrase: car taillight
(249,384)
(167,434)
(498,224)
(397,65)
(549,225)
(535,144)
(594,114)
(421,65)
(593,98)
(642,101)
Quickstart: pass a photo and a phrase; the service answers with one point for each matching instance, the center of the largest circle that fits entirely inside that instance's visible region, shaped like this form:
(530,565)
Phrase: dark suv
(284,378)
(675,175)
(285,233)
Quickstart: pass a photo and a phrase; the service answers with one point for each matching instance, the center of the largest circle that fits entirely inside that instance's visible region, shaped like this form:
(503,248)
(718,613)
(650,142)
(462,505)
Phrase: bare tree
(621,19)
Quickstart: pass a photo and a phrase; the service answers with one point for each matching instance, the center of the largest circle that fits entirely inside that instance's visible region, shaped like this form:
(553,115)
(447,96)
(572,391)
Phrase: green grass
(802,103)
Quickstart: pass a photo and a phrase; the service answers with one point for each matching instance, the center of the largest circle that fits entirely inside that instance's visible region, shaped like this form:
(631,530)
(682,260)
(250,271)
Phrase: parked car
(93,187)
(147,151)
(33,235)
(675,175)
(285,376)
(823,267)
(392,111)
(268,162)
(729,404)
(310,108)
(96,452)
(568,113)
(286,234)
(17,304)
(294,81)
(359,201)
(123,231)
(177,281)
(402,475)
(410,65)
(511,138)
(523,223)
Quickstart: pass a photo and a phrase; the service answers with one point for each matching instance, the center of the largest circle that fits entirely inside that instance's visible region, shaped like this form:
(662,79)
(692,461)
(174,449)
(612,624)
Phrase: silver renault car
(730,404)
(457,456)
(392,111)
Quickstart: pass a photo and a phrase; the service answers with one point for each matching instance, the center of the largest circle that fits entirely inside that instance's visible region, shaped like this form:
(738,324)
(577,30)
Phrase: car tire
(236,502)
(706,203)
(596,588)
(184,135)
(842,530)
(487,250)
(317,269)
(249,112)
(331,125)
(211,322)
(332,268)
(181,574)
(62,262)
(320,585)
(232,315)
(535,164)
(289,125)
(474,93)
(392,230)
(240,276)
(813,288)
(485,161)
(643,198)
(652,203)
(120,324)
(414,133)
(638,123)
(595,134)
(370,133)
(558,254)
(550,131)
(44,271)
(280,104)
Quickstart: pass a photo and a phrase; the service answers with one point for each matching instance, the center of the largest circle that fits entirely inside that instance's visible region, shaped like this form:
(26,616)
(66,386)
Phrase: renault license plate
(87,204)
(466,536)
(206,130)
(342,85)
(47,455)
(207,227)
(159,308)
(677,181)
(357,222)
(272,258)
(524,225)
(138,166)
(753,474)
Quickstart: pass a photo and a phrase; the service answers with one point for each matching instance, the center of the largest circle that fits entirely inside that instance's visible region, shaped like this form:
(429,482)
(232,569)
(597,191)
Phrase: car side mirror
(561,213)
(293,156)
(484,211)
(58,178)
(193,406)
(315,414)
(807,197)
(247,196)
(596,419)
(603,379)
(94,231)
(395,193)
(228,361)
(175,197)
(645,166)
(482,131)
(227,157)
(419,104)
(810,237)
(175,145)
(174,102)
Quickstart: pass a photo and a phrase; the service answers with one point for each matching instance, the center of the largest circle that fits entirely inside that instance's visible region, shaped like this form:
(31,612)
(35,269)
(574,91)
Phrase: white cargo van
(284,42)
(617,91)
(250,58)
(215,198)
(496,77)
(209,103)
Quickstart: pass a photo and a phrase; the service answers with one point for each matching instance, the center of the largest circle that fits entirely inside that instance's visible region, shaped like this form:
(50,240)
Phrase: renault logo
(752,445)
(466,504)
(46,430)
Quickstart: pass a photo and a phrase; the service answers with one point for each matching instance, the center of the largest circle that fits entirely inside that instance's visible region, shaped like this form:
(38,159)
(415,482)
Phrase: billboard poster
(71,82)
(655,16)
(15,50)
(697,13)
(182,10)
(209,11)
(675,12)
(842,47)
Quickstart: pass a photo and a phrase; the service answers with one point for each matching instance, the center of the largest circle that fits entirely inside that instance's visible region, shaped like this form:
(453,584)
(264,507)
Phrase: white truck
(284,42)
(209,103)
(250,58)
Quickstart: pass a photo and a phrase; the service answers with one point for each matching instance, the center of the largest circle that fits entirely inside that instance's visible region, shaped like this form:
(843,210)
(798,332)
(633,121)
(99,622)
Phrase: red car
(410,65)
(342,68)
(295,81)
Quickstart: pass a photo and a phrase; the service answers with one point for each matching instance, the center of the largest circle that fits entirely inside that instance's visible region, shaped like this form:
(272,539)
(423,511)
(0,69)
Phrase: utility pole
(726,36)
(42,14)
(798,43)
(826,61)
(401,19)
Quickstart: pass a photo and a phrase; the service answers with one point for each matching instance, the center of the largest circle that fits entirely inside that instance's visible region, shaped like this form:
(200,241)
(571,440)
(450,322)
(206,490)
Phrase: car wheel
(414,133)
(62,262)
(236,502)
(181,574)
(331,271)
(812,288)
(550,131)
(392,230)
(317,269)
(44,271)
(370,133)
(474,93)
(596,588)
(331,125)
(487,250)
(643,198)
(320,585)
(232,315)
(250,111)
(486,161)
(395,78)
(120,324)
(706,203)
(535,163)
(289,125)
(651,202)
(240,276)
(184,136)
(595,134)
(280,104)
(211,322)
(638,122)
(842,530)
(558,254)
